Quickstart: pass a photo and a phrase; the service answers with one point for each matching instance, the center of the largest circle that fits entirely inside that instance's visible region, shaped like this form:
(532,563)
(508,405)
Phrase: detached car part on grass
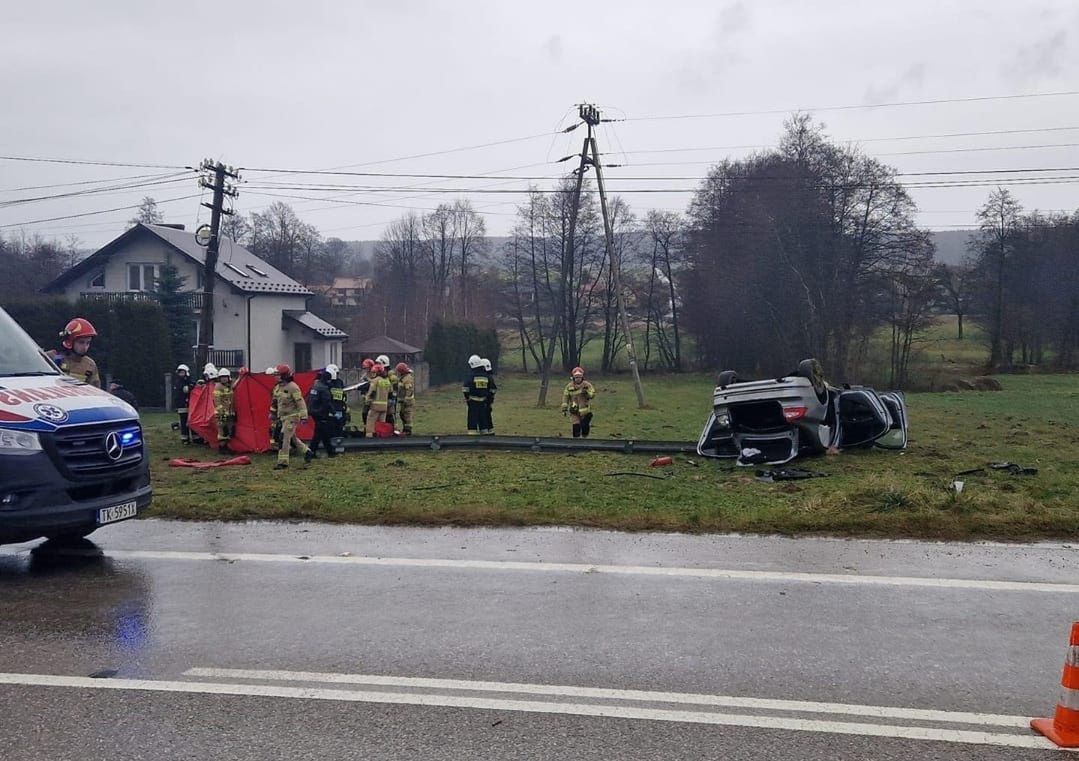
(773,421)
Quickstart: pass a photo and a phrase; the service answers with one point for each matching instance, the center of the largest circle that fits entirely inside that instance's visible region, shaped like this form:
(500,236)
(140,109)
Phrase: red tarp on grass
(252,399)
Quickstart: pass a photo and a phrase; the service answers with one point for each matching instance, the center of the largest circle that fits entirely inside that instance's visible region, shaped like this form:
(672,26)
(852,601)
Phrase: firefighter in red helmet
(287,406)
(72,358)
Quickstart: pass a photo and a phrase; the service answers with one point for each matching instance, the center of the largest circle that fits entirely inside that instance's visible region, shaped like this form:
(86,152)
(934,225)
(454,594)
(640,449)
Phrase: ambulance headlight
(19,442)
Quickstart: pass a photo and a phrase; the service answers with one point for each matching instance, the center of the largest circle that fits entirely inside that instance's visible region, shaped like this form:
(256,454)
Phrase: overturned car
(773,421)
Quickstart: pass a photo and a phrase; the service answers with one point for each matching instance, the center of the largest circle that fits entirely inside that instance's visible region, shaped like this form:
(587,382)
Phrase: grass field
(1032,422)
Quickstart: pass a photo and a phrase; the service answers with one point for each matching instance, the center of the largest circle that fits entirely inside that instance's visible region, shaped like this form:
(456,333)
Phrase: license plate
(116,513)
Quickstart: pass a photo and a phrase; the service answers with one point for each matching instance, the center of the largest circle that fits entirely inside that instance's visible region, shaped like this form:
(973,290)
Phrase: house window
(302,357)
(98,280)
(141,277)
(333,353)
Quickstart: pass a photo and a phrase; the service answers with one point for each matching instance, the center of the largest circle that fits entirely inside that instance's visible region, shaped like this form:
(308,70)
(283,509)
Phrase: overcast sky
(316,85)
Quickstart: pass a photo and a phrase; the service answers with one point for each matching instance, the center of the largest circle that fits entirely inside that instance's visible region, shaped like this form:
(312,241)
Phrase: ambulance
(72,456)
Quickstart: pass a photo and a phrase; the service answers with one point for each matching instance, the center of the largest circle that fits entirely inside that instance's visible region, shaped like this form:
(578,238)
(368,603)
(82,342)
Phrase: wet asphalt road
(151,601)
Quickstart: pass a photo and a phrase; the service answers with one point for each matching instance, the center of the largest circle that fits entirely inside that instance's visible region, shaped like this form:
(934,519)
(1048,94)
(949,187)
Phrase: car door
(896,436)
(863,418)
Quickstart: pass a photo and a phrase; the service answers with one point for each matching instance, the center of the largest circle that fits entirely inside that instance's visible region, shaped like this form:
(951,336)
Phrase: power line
(88,162)
(82,182)
(93,213)
(853,107)
(166,180)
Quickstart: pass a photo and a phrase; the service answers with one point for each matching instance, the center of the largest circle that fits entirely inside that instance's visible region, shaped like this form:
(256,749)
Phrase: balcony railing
(193,299)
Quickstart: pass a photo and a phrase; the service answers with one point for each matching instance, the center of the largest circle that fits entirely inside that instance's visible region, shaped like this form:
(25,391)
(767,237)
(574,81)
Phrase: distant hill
(951,245)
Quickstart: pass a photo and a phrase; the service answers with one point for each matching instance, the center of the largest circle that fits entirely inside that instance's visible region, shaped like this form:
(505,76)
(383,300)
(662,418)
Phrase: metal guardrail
(520,443)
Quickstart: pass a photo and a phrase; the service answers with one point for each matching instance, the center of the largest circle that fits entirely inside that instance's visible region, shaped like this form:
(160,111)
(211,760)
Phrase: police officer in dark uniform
(320,408)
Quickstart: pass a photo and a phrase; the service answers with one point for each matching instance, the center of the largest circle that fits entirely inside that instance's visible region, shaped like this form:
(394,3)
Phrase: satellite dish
(202,236)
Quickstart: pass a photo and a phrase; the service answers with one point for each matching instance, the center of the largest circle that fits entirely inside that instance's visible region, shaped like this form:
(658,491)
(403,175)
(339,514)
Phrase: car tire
(811,369)
(726,378)
(73,536)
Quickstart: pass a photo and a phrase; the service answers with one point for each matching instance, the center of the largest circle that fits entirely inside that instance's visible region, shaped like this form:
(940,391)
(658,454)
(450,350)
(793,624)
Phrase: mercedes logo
(113,448)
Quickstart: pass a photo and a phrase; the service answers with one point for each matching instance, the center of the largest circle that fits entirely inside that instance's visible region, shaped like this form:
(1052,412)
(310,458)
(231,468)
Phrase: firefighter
(209,374)
(72,358)
(406,396)
(181,395)
(224,409)
(577,402)
(275,424)
(476,394)
(391,376)
(362,388)
(320,407)
(378,396)
(287,408)
(339,403)
(492,387)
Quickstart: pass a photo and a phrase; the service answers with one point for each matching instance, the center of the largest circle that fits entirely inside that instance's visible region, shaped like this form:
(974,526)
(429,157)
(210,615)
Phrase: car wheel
(811,369)
(727,377)
(73,536)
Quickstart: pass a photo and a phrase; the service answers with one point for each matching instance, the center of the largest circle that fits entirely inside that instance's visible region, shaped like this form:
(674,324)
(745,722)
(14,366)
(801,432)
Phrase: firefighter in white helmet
(476,390)
(181,397)
(224,409)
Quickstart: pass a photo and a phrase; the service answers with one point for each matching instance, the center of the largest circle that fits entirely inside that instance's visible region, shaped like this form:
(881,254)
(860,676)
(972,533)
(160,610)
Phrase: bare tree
(957,285)
(999,227)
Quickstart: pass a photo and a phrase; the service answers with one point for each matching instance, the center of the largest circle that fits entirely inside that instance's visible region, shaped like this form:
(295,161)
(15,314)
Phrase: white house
(260,314)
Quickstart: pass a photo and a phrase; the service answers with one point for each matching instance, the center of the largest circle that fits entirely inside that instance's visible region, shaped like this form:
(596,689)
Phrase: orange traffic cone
(1063,728)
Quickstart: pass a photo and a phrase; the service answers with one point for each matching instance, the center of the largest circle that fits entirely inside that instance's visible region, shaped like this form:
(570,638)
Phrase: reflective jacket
(223,401)
(78,366)
(478,386)
(578,398)
(287,402)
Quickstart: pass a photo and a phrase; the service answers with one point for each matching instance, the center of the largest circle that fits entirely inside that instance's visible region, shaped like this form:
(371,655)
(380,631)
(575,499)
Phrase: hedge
(132,345)
(449,346)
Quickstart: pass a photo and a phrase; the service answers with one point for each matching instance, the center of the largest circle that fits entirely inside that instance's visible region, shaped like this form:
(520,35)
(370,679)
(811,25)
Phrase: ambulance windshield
(19,356)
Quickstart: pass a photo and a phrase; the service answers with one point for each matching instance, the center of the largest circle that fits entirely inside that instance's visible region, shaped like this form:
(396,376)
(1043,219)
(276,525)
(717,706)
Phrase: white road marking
(968,737)
(726,701)
(633,570)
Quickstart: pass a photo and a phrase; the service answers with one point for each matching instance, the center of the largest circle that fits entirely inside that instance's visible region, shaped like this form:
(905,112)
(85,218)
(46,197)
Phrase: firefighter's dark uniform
(477,391)
(181,393)
(320,407)
(488,421)
(577,401)
(363,389)
(339,411)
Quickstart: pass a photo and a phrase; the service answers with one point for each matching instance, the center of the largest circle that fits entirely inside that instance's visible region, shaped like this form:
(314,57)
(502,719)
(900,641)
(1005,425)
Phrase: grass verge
(867,493)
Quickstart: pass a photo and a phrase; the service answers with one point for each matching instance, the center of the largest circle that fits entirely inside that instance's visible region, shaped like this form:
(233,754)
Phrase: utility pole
(591,117)
(214,175)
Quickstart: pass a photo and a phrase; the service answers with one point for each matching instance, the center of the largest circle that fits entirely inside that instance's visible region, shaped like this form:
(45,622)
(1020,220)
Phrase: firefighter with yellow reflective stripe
(406,396)
(338,402)
(577,402)
(288,407)
(477,393)
(224,408)
(378,397)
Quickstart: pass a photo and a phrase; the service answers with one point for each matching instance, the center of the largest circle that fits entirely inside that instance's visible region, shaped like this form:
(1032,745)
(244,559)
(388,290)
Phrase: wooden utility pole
(591,116)
(214,174)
